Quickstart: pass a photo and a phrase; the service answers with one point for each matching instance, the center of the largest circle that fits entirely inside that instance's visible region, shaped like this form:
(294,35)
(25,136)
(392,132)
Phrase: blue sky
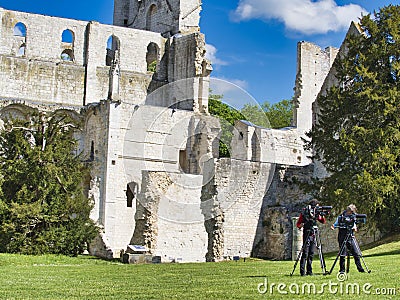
(252,42)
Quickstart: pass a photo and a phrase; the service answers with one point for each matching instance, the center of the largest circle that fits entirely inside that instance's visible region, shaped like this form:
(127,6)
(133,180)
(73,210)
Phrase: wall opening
(67,45)
(131,192)
(21,50)
(67,37)
(20,29)
(112,50)
(152,57)
(19,44)
(67,55)
(255,147)
(91,157)
(183,161)
(151,21)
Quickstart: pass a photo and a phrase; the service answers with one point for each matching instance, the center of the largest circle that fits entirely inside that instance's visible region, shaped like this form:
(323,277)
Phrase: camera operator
(346,222)
(308,220)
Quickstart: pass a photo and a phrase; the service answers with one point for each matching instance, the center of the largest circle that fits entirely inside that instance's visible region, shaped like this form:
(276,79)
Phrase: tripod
(349,236)
(318,246)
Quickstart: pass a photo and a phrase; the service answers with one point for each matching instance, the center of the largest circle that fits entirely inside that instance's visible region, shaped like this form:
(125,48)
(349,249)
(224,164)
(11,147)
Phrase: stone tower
(167,17)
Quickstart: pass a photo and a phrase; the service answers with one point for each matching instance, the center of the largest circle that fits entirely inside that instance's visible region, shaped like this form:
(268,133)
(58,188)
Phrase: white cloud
(304,16)
(211,54)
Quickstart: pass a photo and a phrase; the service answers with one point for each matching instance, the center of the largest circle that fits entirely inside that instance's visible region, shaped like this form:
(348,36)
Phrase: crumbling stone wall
(282,146)
(170,226)
(113,95)
(284,200)
(166,17)
(231,203)
(40,74)
(313,65)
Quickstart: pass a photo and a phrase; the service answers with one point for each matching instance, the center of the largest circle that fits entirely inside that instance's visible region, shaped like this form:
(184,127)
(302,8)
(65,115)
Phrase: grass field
(59,277)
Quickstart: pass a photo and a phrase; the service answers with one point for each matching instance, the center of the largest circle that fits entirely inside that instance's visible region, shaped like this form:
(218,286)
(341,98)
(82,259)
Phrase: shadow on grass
(394,252)
(386,240)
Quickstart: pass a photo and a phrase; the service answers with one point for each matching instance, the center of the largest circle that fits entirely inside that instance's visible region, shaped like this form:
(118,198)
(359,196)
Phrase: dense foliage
(358,132)
(42,206)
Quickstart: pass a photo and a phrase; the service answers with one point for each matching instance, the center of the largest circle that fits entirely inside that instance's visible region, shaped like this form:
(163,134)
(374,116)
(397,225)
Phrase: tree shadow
(393,252)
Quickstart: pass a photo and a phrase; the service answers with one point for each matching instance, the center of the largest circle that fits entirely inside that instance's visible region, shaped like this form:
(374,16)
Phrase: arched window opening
(67,45)
(152,57)
(20,29)
(67,55)
(112,54)
(67,37)
(21,50)
(151,18)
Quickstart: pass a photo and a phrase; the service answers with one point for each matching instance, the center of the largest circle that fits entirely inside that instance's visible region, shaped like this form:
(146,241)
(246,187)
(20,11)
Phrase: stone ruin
(139,89)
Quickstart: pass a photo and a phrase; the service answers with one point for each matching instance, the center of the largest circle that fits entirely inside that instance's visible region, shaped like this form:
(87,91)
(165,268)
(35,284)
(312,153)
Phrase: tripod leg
(348,264)
(361,256)
(340,252)
(321,255)
(300,253)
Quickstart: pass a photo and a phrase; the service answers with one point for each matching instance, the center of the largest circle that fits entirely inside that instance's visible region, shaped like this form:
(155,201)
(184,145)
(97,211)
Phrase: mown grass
(59,277)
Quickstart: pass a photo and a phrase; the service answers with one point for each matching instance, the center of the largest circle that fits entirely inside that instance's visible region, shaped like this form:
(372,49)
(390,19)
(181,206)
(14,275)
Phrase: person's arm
(300,222)
(336,224)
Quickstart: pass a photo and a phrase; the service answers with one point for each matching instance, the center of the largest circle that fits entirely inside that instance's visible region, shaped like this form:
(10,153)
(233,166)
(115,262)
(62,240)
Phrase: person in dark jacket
(308,221)
(346,223)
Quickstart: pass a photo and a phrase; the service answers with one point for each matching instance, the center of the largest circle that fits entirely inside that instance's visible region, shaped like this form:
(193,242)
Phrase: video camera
(322,210)
(313,212)
(348,221)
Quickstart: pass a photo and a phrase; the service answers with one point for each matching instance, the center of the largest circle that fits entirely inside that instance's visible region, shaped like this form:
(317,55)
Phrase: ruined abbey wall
(313,65)
(40,74)
(139,88)
(167,17)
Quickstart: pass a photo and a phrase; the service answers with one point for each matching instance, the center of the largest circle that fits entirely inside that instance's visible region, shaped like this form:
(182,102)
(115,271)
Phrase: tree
(358,132)
(42,206)
(279,114)
(256,115)
(227,117)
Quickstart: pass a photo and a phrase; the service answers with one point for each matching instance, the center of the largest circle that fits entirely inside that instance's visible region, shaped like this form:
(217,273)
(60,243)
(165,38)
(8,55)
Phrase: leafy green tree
(227,117)
(358,132)
(42,206)
(279,114)
(256,115)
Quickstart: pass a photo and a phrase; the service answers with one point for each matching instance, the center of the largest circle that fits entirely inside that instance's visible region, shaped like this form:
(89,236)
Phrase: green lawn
(59,277)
